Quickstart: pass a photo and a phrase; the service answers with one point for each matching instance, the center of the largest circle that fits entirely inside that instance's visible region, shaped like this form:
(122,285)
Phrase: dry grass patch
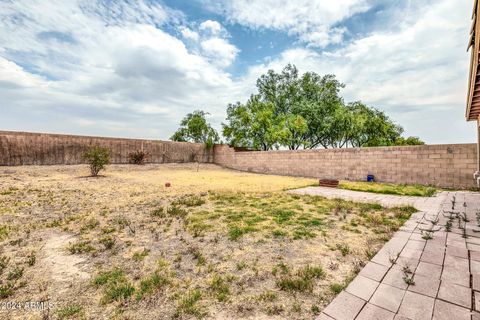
(217,244)
(415,190)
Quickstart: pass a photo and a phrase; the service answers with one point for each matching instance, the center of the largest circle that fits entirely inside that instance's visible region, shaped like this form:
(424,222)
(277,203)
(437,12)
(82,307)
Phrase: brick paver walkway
(430,269)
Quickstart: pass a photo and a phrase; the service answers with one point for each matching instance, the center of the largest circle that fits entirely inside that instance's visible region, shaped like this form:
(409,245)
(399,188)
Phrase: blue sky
(135,68)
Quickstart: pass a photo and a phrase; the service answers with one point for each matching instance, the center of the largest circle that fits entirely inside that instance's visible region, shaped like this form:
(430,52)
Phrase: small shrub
(336,288)
(310,272)
(241,265)
(159,212)
(188,305)
(69,311)
(4,232)
(302,281)
(108,276)
(107,230)
(140,255)
(292,283)
(344,249)
(81,247)
(107,242)
(118,292)
(6,290)
(138,157)
(31,258)
(97,158)
(280,268)
(236,231)
(116,286)
(274,310)
(176,211)
(189,201)
(197,255)
(279,233)
(282,216)
(3,263)
(427,234)
(15,274)
(448,226)
(303,233)
(151,284)
(219,287)
(90,224)
(268,296)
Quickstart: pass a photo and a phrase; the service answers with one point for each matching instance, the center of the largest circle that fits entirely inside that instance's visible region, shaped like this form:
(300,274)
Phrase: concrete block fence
(24,148)
(449,165)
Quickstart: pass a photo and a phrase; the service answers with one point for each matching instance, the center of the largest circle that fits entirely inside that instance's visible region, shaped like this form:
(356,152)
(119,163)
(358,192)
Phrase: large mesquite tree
(195,128)
(306,111)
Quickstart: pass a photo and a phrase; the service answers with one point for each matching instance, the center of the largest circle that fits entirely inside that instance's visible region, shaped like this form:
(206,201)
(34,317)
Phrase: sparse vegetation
(138,157)
(162,277)
(336,288)
(6,290)
(189,305)
(302,280)
(115,285)
(69,311)
(140,255)
(80,247)
(97,158)
(221,244)
(15,274)
(388,188)
(31,259)
(108,242)
(343,248)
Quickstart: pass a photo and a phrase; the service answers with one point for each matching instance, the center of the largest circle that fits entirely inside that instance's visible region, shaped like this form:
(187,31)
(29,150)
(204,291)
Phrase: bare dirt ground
(217,244)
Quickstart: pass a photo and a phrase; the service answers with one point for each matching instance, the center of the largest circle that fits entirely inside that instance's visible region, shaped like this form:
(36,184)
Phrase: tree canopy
(195,128)
(307,112)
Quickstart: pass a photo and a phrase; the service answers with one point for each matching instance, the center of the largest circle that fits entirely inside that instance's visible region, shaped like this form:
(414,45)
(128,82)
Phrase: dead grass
(217,244)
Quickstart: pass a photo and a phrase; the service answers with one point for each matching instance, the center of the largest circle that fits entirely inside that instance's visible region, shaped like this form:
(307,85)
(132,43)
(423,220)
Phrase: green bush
(138,157)
(98,158)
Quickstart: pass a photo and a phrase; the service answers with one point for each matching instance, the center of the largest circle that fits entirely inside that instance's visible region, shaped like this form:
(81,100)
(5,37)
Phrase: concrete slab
(372,312)
(344,307)
(416,306)
(455,294)
(388,297)
(447,311)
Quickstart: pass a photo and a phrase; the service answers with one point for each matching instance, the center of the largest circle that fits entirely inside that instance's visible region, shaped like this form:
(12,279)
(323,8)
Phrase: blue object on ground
(370,178)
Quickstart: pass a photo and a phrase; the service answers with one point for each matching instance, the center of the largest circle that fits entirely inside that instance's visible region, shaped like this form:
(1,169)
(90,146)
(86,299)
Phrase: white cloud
(189,34)
(212,27)
(71,65)
(313,21)
(417,74)
(220,51)
(77,67)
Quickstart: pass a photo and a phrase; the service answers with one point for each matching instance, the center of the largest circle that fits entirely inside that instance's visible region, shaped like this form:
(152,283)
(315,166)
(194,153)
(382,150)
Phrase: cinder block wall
(448,166)
(24,148)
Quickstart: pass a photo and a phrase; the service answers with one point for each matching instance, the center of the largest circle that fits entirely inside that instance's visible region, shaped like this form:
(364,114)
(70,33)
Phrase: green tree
(253,125)
(293,111)
(307,111)
(409,141)
(195,128)
(97,158)
(371,127)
